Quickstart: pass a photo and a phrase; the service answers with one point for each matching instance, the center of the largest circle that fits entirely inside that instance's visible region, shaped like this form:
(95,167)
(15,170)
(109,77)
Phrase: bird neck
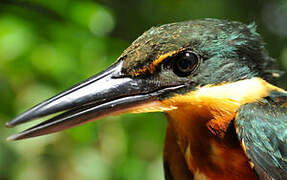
(216,105)
(202,121)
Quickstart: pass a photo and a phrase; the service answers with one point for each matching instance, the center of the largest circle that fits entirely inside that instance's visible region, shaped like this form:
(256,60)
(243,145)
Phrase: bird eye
(186,63)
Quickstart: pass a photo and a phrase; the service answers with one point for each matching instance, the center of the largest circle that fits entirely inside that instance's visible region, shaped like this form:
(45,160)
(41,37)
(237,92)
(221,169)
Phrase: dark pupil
(186,64)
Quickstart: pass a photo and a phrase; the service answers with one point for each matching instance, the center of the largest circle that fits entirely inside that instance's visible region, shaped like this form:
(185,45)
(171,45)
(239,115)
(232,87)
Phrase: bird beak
(107,93)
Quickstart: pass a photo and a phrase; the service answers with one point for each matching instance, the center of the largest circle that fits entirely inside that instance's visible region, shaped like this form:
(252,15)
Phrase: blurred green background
(46,46)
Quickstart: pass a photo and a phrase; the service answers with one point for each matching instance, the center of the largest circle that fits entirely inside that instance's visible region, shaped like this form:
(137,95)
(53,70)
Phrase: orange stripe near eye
(151,67)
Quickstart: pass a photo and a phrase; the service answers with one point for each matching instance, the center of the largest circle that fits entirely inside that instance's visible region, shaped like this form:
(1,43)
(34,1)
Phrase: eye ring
(186,63)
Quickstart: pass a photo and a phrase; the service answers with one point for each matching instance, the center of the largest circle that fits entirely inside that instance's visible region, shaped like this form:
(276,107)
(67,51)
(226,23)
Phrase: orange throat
(202,121)
(209,145)
(216,105)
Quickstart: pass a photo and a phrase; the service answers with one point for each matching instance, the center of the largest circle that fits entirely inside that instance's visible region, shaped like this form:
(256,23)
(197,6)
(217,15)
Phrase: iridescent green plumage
(262,128)
(220,42)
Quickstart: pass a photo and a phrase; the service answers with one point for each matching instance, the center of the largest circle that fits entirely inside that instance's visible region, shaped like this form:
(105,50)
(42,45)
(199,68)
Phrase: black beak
(107,93)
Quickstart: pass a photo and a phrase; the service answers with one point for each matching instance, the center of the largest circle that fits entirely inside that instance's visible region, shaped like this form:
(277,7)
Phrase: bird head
(166,62)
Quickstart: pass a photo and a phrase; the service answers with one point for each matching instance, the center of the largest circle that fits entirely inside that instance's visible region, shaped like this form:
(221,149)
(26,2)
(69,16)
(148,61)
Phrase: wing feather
(262,129)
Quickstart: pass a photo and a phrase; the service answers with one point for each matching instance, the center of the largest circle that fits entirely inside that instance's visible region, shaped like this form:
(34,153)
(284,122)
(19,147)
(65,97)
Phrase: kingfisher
(216,84)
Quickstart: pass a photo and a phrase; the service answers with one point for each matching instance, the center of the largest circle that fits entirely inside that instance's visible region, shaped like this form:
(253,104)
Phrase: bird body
(202,123)
(215,82)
